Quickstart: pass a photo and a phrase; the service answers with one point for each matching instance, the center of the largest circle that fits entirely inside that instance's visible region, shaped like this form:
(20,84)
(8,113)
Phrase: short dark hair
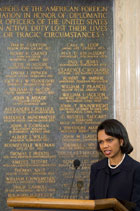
(116,129)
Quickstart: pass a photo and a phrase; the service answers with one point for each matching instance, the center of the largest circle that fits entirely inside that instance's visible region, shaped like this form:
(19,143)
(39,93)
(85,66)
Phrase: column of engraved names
(29,150)
(83,74)
(30,86)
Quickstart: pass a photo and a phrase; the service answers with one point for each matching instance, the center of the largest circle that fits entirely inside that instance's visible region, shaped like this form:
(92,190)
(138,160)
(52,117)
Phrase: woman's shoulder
(99,164)
(132,163)
(132,160)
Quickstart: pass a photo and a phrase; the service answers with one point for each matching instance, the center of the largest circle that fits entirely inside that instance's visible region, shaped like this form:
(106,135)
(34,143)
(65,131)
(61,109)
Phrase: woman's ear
(121,142)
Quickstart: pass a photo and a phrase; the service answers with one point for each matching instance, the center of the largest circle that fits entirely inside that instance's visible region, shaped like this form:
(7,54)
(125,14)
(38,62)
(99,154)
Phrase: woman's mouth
(107,152)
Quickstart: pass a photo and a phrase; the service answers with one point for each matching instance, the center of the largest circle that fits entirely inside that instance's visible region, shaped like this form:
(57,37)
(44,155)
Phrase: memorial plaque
(56,86)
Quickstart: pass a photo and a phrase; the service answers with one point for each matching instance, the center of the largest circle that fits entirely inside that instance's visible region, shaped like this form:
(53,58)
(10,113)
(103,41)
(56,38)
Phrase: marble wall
(127,68)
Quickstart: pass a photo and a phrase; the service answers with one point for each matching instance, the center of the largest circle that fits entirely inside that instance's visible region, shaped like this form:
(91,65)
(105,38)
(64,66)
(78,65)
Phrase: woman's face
(110,146)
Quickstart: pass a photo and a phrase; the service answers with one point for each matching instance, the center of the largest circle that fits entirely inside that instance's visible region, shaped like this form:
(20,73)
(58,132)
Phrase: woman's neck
(116,160)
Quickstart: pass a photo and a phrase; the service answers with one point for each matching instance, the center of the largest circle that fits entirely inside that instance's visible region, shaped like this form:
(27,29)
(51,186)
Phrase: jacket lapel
(106,175)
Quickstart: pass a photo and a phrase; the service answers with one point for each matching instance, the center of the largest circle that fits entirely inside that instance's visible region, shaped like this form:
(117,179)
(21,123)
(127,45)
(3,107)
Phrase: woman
(117,175)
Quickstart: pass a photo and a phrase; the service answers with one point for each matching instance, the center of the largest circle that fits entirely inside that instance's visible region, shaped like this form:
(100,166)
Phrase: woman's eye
(100,142)
(110,140)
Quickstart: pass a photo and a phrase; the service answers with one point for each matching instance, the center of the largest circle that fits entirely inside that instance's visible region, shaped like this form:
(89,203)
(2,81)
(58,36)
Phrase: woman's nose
(106,145)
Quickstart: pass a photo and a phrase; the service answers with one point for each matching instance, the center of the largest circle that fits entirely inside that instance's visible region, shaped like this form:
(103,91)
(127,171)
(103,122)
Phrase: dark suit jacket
(122,183)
